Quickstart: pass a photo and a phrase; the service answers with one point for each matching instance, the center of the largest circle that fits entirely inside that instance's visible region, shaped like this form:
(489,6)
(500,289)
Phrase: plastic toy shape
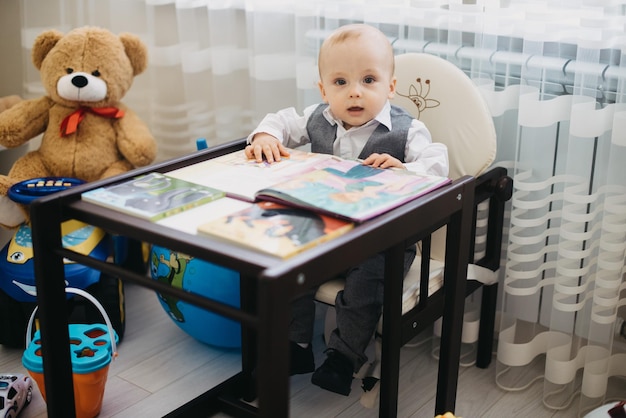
(16,392)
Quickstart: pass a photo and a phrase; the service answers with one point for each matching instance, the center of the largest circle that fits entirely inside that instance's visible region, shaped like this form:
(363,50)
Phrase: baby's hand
(266,146)
(383,161)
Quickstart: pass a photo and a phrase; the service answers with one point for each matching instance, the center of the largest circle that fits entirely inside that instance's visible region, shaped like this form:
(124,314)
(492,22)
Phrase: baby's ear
(320,85)
(392,88)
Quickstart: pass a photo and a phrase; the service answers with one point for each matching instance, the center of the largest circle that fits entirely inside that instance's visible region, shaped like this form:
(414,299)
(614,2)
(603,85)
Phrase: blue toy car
(16,392)
(17,278)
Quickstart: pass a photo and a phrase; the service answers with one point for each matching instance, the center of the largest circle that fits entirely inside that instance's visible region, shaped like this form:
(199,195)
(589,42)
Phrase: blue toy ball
(203,278)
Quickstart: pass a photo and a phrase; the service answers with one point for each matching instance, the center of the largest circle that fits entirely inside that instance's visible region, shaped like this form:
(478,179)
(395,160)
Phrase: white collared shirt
(421,154)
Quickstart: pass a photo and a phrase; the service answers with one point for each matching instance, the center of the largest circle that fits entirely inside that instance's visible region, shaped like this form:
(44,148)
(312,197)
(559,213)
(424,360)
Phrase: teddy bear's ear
(136,51)
(43,44)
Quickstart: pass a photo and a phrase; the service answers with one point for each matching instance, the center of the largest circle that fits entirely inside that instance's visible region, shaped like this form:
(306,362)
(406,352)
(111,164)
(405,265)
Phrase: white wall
(11,61)
(10,74)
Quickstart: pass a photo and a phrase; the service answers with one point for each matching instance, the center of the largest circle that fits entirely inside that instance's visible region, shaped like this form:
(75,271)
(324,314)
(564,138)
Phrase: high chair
(443,97)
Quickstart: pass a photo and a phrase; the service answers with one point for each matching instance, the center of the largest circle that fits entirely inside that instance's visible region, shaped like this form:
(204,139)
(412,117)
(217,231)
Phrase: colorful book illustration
(276,229)
(152,196)
(241,178)
(351,190)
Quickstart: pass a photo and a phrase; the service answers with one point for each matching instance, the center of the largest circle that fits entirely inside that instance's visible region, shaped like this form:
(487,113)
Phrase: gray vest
(382,141)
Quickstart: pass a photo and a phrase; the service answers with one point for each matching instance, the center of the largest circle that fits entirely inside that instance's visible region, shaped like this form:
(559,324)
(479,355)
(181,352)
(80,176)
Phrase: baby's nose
(355,91)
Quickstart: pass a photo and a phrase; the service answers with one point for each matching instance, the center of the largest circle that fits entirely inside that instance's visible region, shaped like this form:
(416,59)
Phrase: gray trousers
(358,308)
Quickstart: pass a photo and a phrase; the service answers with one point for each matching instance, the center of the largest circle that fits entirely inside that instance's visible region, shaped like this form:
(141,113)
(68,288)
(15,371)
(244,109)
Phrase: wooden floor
(160,367)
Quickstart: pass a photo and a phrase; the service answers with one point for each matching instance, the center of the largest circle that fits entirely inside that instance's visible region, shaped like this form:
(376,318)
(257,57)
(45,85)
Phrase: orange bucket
(91,349)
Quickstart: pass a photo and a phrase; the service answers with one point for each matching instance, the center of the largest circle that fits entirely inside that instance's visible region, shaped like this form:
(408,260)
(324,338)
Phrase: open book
(319,182)
(152,196)
(276,229)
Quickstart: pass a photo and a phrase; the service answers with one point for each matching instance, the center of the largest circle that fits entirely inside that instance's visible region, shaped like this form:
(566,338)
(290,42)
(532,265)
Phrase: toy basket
(92,346)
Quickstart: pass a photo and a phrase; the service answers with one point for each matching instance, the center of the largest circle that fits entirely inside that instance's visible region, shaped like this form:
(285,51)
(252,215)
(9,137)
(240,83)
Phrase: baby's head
(356,67)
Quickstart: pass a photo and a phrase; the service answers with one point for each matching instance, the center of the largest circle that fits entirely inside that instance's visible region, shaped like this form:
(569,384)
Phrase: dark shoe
(335,374)
(302,361)
(368,383)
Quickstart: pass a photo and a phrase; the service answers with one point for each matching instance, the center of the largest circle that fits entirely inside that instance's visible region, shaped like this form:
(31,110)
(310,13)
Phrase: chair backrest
(442,96)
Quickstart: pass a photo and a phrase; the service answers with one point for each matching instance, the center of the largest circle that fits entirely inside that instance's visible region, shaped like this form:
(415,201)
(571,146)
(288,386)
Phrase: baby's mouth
(355,109)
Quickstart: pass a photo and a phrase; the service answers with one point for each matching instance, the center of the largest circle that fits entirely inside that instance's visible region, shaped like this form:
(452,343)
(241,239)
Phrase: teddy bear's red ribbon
(70,123)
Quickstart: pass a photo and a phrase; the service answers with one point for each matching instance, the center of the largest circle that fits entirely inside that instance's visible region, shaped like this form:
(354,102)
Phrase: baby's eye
(340,82)
(369,80)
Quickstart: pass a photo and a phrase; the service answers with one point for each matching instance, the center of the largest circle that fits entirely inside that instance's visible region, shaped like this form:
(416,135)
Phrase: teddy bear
(87,132)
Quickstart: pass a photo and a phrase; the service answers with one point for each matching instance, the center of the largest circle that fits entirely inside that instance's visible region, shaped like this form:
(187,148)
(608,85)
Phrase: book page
(241,178)
(352,190)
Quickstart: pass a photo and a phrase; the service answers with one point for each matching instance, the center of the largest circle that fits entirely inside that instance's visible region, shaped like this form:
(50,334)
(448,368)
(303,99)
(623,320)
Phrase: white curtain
(553,74)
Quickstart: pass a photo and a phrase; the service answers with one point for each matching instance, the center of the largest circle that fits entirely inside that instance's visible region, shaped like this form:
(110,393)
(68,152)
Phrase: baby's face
(356,80)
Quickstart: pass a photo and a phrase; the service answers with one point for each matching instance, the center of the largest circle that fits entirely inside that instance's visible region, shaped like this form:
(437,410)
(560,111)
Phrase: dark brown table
(267,286)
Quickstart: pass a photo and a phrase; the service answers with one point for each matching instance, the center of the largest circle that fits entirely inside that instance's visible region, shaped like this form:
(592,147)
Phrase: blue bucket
(92,346)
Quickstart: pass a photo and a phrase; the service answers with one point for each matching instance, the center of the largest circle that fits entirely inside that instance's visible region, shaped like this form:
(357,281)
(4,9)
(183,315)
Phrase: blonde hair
(355,31)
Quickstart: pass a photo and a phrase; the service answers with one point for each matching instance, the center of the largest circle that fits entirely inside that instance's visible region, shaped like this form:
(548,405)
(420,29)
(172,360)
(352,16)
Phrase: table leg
(457,255)
(392,331)
(50,282)
(274,306)
(248,339)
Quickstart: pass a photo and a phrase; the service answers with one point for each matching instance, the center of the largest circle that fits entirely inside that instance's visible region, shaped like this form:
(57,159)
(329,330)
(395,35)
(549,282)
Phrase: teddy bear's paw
(11,214)
(8,101)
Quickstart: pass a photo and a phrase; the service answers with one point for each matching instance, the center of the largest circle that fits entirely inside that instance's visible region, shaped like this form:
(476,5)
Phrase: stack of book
(281,208)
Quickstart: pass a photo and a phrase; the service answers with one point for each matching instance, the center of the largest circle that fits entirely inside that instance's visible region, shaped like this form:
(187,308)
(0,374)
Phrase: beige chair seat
(411,289)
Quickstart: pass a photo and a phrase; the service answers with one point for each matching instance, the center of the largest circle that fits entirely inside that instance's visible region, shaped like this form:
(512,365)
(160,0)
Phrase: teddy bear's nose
(80,81)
